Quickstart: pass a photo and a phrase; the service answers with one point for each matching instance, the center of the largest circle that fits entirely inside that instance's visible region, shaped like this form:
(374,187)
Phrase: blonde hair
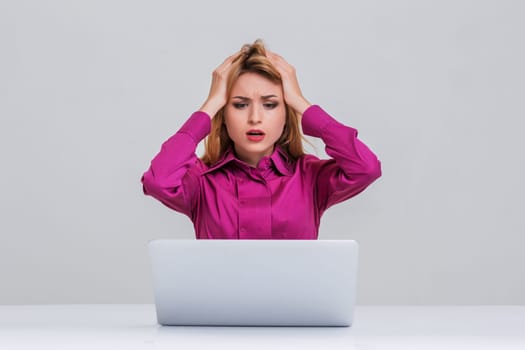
(218,141)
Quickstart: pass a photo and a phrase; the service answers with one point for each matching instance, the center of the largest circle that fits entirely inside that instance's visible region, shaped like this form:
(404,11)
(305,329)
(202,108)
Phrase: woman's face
(255,115)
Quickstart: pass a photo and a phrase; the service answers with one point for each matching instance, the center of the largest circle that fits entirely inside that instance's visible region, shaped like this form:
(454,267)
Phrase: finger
(228,62)
(230,59)
(274,59)
(275,56)
(273,53)
(278,62)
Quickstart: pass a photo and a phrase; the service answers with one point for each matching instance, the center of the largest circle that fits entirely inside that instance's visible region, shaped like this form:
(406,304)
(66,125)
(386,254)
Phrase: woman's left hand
(292,92)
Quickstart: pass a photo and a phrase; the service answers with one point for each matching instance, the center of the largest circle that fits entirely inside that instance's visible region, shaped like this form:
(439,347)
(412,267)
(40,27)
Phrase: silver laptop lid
(254,282)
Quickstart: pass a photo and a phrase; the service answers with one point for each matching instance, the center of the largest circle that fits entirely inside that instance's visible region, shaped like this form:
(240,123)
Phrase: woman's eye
(270,105)
(240,105)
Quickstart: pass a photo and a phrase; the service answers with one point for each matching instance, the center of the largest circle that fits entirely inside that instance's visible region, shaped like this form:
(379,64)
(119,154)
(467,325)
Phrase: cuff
(314,120)
(197,126)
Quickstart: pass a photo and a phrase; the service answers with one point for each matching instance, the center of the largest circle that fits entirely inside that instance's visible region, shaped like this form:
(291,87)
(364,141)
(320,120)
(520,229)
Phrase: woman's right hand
(217,97)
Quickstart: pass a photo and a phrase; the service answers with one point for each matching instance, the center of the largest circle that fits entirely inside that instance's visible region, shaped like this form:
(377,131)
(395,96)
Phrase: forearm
(164,178)
(352,155)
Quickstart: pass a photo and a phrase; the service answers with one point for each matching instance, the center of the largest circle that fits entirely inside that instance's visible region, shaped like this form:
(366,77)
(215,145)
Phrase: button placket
(254,209)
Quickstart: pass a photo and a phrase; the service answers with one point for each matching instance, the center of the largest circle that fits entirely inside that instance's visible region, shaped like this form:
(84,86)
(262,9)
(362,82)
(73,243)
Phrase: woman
(254,180)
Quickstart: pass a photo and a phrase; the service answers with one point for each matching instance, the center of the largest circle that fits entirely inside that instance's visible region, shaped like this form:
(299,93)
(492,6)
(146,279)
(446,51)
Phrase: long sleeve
(169,178)
(353,165)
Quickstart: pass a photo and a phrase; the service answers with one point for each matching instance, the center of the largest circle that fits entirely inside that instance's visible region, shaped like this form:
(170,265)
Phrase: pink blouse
(280,199)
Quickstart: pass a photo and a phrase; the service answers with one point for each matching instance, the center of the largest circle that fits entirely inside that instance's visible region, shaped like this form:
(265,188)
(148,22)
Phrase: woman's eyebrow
(265,97)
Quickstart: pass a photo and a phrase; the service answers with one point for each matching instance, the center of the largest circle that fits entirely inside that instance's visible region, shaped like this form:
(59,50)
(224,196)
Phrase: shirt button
(243,230)
(242,203)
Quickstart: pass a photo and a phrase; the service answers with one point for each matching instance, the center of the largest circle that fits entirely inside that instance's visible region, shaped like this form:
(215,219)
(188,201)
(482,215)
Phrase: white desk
(128,327)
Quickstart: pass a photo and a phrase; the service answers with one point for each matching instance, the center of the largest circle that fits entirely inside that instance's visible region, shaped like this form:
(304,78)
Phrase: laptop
(254,282)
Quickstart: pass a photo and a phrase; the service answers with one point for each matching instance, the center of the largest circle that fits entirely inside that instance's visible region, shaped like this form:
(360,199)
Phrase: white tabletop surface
(128,327)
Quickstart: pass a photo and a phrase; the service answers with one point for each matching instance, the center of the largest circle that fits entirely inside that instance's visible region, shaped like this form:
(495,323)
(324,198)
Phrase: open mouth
(255,135)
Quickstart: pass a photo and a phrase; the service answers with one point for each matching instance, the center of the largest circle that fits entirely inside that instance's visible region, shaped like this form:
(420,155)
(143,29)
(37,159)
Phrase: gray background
(90,89)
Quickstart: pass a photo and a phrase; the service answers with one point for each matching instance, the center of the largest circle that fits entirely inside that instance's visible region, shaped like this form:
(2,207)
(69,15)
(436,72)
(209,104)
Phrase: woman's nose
(255,116)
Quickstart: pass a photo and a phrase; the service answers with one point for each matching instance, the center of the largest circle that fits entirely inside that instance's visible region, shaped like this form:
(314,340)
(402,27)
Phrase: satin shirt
(278,199)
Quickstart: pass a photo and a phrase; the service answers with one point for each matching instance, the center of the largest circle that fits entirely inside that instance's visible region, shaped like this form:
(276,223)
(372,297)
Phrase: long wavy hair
(218,141)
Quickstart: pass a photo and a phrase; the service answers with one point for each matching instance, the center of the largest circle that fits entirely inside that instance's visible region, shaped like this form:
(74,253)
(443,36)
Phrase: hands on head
(217,97)
(292,92)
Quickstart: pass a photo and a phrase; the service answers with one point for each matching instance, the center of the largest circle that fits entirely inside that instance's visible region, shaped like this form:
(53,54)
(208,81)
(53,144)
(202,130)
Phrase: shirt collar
(279,159)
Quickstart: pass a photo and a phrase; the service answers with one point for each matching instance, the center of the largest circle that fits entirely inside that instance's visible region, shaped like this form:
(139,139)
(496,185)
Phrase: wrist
(211,107)
(301,106)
